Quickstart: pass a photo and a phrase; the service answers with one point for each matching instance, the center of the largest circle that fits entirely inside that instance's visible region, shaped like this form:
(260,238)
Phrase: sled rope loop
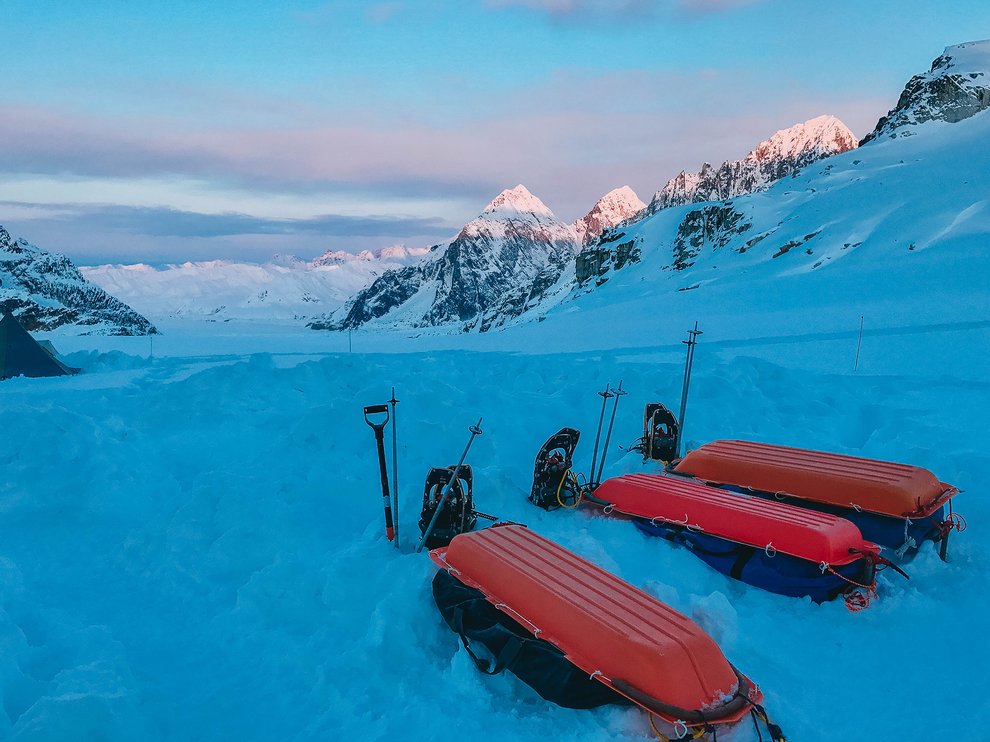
(577,489)
(855,600)
(683,732)
(953,522)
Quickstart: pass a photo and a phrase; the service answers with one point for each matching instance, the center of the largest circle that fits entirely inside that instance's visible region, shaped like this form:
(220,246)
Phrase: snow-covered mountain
(511,244)
(285,288)
(955,88)
(393,253)
(783,154)
(46,291)
(612,208)
(863,232)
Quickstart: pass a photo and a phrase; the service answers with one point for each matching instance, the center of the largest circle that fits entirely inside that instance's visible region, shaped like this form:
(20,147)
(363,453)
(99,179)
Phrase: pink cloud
(597,10)
(383,12)
(641,130)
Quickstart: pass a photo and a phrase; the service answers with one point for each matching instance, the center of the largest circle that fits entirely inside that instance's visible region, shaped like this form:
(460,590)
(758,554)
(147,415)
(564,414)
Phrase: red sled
(622,637)
(784,549)
(772,526)
(895,505)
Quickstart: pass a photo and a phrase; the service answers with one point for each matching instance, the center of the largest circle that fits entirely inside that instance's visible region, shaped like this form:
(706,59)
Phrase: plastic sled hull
(819,538)
(894,490)
(630,641)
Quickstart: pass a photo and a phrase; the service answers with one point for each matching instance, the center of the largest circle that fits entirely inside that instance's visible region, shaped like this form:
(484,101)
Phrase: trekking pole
(615,405)
(377,409)
(601,418)
(859,344)
(395,472)
(475,431)
(688,362)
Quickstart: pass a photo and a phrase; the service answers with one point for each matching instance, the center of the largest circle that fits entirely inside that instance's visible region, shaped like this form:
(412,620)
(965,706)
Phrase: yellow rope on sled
(577,488)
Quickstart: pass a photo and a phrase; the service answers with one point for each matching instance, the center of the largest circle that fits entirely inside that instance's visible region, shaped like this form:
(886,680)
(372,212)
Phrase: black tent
(22,355)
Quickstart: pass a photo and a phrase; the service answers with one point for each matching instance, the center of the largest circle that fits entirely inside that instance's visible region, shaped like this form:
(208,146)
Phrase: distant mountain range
(284,288)
(517,254)
(899,224)
(516,261)
(783,154)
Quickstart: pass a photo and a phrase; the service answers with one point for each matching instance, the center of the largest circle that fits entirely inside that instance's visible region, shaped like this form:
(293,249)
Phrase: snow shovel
(379,428)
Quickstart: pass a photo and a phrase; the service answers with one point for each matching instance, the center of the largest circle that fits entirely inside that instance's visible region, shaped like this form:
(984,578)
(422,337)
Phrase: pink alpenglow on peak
(612,208)
(518,200)
(783,154)
(823,136)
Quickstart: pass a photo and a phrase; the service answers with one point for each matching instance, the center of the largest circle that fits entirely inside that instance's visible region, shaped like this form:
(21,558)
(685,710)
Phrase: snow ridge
(783,154)
(394,253)
(955,88)
(612,208)
(284,288)
(45,291)
(465,283)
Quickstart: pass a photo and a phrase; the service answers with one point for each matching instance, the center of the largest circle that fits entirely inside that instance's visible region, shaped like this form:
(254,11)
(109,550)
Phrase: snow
(823,134)
(191,546)
(615,206)
(224,290)
(519,201)
(784,153)
(973,56)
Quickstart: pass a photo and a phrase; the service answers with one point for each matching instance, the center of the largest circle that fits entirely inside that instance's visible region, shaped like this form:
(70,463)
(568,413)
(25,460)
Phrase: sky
(164,132)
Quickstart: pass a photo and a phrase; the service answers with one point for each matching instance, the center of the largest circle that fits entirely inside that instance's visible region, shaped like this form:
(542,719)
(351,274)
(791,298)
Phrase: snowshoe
(659,433)
(554,485)
(457,515)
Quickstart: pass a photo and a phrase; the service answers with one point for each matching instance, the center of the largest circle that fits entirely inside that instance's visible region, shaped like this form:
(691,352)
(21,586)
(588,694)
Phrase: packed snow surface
(222,290)
(191,545)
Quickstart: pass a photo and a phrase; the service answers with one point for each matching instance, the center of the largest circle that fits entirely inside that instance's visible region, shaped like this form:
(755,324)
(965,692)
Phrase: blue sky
(161,132)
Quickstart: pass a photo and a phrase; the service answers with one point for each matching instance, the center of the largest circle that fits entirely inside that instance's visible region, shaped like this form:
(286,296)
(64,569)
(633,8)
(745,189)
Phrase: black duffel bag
(511,647)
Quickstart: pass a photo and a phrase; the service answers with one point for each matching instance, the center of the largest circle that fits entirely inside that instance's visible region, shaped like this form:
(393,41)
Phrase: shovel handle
(376,409)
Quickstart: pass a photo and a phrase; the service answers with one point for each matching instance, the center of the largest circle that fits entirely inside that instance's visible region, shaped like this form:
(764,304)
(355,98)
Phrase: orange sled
(646,651)
(894,490)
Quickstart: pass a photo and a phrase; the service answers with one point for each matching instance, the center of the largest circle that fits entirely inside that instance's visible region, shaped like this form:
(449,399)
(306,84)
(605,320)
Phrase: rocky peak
(392,253)
(804,143)
(517,200)
(783,154)
(45,290)
(462,284)
(612,208)
(955,88)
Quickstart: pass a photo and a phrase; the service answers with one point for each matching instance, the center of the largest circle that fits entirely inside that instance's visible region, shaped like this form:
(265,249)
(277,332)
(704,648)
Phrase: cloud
(580,10)
(621,10)
(167,222)
(570,138)
(383,12)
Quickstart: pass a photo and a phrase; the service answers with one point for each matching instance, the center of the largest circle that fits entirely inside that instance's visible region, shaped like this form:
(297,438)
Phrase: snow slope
(783,154)
(191,548)
(894,231)
(221,290)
